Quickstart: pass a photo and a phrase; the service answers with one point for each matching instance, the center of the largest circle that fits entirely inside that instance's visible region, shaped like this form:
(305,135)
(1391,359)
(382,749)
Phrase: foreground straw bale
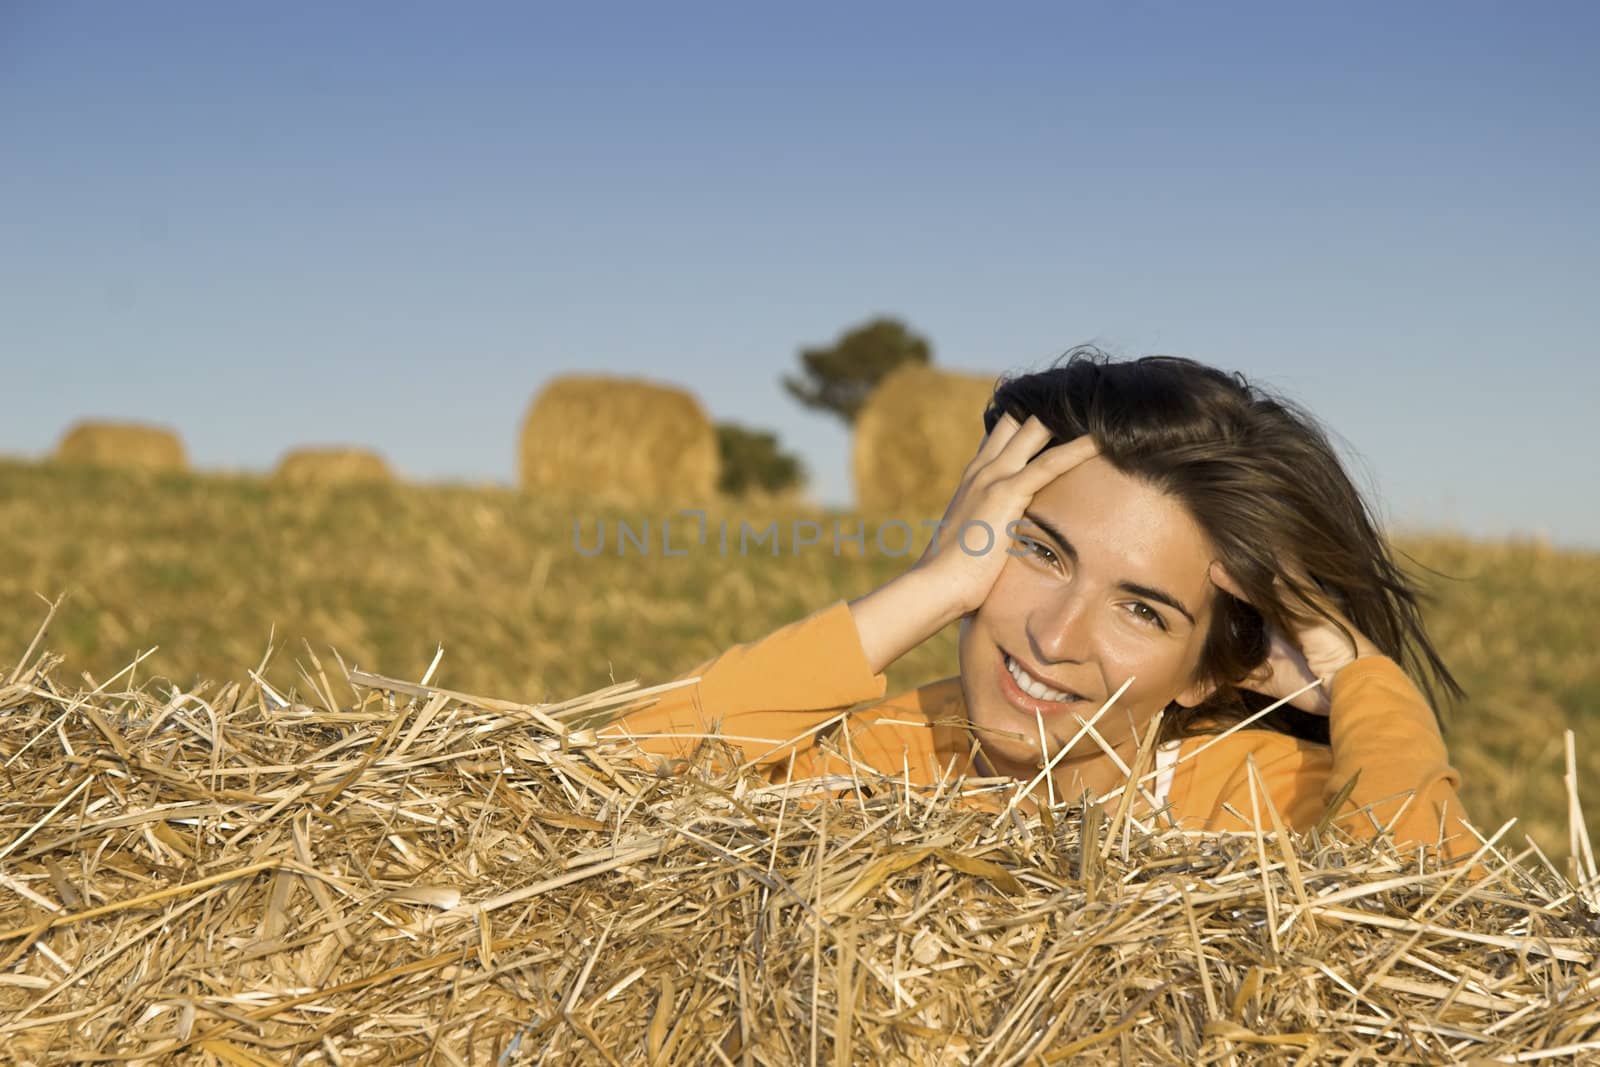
(241,876)
(620,437)
(122,444)
(914,437)
(332,466)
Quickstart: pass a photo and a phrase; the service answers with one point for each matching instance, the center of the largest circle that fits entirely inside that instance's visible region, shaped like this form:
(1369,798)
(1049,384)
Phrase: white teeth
(1032,686)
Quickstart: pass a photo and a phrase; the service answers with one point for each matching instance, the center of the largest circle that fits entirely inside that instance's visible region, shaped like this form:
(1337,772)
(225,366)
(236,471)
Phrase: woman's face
(1108,581)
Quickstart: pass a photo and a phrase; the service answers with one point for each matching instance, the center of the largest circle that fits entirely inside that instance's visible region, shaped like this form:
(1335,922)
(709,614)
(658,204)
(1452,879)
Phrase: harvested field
(122,444)
(914,437)
(332,466)
(619,438)
(370,871)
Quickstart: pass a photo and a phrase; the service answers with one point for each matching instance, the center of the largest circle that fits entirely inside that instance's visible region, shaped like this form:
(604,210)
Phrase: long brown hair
(1260,478)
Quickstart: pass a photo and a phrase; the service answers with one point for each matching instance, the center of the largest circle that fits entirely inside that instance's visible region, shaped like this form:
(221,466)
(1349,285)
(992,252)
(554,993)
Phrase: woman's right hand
(950,580)
(969,547)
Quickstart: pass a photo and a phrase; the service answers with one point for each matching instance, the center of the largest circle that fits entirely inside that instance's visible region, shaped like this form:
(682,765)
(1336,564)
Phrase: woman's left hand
(1316,650)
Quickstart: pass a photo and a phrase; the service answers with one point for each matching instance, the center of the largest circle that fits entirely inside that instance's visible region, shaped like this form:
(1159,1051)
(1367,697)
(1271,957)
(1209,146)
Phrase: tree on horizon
(838,378)
(753,460)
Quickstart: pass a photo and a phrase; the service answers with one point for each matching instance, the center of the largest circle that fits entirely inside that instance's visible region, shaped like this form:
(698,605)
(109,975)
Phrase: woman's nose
(1060,627)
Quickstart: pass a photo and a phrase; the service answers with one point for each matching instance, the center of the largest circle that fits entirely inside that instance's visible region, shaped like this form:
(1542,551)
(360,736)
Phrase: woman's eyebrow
(1160,596)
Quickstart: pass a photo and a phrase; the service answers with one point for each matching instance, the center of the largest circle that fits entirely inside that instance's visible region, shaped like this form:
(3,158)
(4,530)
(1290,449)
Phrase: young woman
(1168,539)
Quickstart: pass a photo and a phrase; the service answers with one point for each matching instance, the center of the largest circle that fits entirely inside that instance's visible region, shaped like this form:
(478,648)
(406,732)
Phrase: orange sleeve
(758,696)
(1212,790)
(1381,725)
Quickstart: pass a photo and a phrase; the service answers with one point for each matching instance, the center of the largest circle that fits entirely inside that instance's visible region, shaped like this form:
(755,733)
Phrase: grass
(210,567)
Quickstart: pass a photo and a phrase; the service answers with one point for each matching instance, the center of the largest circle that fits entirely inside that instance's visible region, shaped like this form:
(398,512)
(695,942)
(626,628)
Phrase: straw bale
(914,436)
(122,444)
(332,466)
(245,874)
(619,437)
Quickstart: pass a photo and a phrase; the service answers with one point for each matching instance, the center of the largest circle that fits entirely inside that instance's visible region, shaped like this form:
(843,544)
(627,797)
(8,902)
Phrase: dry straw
(246,875)
(332,466)
(619,437)
(122,444)
(914,436)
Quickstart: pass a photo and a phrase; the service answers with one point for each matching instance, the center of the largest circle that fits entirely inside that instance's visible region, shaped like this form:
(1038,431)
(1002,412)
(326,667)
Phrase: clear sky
(389,223)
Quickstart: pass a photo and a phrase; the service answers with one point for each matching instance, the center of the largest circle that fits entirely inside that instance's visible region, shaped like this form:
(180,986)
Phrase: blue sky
(388,224)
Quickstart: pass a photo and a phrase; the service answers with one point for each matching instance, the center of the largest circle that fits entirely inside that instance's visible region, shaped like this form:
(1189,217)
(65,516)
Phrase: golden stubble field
(212,570)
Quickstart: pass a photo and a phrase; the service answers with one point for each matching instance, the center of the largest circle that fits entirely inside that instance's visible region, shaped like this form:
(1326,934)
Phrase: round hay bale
(915,435)
(137,445)
(332,466)
(619,437)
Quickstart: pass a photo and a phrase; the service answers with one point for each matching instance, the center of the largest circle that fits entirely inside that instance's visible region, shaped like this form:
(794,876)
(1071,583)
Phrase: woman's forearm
(901,614)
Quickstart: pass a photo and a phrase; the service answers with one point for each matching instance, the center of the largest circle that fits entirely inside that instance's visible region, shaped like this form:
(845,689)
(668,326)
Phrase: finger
(1005,427)
(1313,602)
(1225,581)
(1294,577)
(1029,438)
(1309,594)
(1053,462)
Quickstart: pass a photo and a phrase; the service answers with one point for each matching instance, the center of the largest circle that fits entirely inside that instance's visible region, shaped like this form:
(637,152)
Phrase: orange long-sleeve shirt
(772,700)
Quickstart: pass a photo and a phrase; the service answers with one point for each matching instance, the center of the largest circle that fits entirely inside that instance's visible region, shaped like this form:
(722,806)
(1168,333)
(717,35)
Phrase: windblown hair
(1259,477)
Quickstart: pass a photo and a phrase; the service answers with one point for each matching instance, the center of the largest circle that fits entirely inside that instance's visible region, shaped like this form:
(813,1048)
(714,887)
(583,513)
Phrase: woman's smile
(1029,694)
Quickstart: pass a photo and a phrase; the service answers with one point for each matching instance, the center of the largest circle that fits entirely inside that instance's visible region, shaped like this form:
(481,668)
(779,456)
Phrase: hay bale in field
(105,443)
(332,466)
(619,437)
(480,881)
(915,435)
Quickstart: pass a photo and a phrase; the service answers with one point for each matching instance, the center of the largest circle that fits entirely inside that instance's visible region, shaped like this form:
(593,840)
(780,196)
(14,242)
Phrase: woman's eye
(1145,613)
(1039,549)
